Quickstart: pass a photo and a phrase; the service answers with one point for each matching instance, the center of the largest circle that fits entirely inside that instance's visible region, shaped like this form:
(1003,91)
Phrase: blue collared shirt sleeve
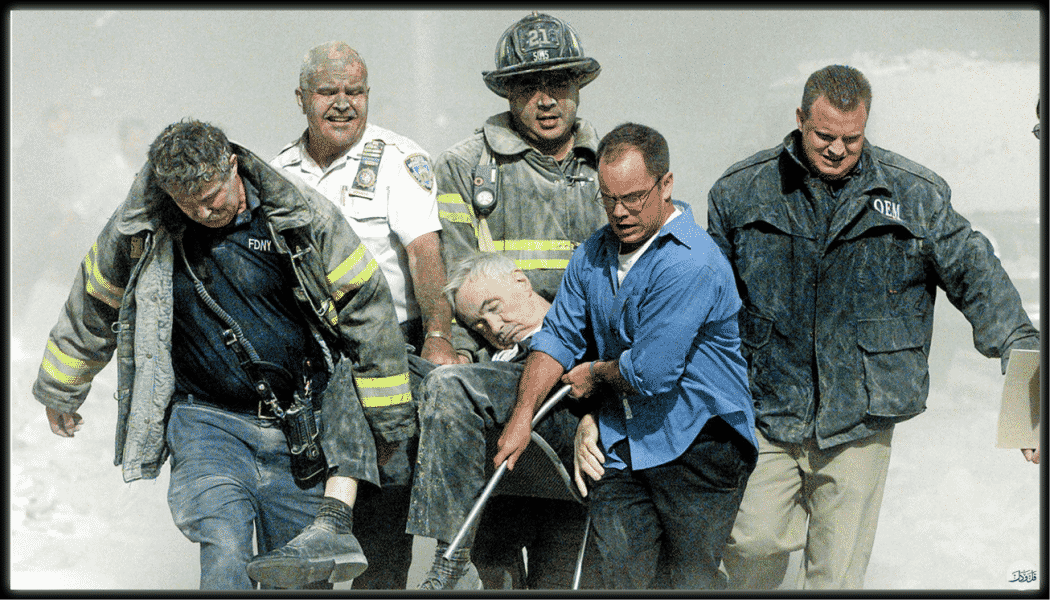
(566,329)
(671,324)
(681,298)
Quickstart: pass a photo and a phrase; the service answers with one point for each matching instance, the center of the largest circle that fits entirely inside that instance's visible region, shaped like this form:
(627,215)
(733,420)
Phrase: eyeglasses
(632,202)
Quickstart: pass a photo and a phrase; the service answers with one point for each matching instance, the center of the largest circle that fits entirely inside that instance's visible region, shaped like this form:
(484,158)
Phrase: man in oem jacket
(838,247)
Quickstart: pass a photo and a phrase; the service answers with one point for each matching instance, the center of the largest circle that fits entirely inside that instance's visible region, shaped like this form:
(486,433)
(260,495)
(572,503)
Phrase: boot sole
(291,573)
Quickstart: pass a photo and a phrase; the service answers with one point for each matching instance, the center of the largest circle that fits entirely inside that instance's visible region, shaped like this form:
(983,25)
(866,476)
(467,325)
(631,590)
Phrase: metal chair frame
(548,454)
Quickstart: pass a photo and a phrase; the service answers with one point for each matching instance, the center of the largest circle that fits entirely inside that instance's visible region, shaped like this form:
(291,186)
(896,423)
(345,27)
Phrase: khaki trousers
(825,501)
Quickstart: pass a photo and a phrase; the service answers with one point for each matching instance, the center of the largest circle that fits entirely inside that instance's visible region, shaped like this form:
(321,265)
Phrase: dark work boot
(324,551)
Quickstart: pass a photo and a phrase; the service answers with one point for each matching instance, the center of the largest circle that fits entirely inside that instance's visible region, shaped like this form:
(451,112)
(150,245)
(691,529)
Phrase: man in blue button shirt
(655,299)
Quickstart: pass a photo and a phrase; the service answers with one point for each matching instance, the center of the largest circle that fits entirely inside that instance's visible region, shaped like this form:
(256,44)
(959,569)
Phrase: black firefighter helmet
(537,43)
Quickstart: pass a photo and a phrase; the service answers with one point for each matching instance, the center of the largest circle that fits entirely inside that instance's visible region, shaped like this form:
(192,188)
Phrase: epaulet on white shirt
(404,145)
(283,159)
(288,147)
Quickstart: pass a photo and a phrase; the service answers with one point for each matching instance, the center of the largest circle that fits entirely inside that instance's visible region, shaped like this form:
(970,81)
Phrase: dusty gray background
(954,90)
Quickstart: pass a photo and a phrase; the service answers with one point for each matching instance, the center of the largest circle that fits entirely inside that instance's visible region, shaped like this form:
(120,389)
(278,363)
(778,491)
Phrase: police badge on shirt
(368,170)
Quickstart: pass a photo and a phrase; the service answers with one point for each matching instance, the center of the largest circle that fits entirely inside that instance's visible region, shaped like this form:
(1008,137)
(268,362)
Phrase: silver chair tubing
(472,516)
(579,557)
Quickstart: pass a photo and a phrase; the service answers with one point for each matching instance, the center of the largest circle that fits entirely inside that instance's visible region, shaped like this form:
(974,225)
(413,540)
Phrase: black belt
(261,410)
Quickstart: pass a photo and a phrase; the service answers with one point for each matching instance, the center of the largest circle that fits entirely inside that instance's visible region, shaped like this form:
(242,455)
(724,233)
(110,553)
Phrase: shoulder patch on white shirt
(418,166)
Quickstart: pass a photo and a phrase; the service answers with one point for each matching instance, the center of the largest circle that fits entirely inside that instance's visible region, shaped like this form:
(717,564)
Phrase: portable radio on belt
(486,189)
(308,462)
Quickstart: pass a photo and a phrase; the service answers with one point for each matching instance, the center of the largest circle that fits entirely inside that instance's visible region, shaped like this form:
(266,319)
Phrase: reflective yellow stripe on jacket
(453,209)
(383,391)
(96,284)
(352,273)
(527,254)
(67,369)
(537,254)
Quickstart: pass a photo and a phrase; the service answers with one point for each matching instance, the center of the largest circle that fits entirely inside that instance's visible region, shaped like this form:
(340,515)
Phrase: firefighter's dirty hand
(63,424)
(588,458)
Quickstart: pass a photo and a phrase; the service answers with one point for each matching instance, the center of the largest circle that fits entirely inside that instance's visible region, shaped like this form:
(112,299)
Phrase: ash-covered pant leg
(231,477)
(380,510)
(457,405)
(380,514)
(346,438)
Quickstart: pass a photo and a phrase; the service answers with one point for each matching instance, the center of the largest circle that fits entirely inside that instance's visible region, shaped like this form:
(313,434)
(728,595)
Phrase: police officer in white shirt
(384,185)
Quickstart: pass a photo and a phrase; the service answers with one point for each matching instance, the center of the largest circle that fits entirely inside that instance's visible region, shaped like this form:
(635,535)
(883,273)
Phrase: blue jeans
(673,519)
(231,477)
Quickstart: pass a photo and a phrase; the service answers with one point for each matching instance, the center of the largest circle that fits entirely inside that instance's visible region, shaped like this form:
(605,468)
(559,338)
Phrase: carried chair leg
(475,511)
(583,549)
